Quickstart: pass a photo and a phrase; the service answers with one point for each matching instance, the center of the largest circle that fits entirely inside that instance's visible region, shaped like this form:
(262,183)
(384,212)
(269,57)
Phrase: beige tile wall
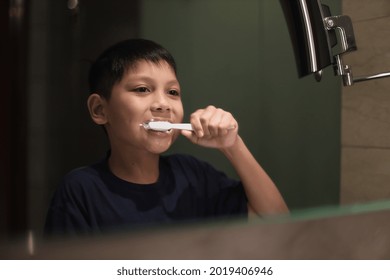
(365,162)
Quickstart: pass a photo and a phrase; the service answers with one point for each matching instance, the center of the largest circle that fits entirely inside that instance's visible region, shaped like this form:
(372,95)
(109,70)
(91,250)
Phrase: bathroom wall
(365,165)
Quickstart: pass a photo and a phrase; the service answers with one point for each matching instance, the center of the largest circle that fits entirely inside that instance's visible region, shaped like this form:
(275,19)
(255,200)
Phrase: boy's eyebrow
(139,77)
(136,78)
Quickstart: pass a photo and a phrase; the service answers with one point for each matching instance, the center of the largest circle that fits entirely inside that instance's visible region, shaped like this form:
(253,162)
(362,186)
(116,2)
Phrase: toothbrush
(165,126)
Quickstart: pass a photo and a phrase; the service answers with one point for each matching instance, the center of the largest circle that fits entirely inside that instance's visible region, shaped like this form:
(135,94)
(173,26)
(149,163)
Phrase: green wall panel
(237,55)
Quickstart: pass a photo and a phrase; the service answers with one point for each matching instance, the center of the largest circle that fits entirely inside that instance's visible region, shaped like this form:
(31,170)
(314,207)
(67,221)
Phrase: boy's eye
(174,92)
(141,89)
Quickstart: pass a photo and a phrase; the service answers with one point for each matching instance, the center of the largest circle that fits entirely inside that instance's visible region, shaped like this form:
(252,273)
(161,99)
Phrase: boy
(134,82)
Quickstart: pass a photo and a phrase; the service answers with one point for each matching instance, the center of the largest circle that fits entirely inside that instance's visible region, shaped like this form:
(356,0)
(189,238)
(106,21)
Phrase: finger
(196,123)
(205,118)
(228,122)
(190,136)
(216,122)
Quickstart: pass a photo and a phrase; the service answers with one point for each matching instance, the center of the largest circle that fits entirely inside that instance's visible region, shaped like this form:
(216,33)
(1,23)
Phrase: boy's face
(146,92)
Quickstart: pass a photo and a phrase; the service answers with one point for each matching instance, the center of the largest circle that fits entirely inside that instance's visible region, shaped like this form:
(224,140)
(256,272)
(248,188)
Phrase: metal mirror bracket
(343,25)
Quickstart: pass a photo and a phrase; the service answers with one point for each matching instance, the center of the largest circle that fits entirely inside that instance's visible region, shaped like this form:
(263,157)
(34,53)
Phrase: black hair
(117,59)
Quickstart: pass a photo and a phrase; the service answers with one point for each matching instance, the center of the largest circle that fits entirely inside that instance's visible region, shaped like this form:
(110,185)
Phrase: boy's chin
(159,145)
(160,148)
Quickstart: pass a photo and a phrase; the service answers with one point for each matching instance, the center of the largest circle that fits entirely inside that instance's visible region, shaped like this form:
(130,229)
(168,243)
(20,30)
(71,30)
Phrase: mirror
(292,126)
(312,43)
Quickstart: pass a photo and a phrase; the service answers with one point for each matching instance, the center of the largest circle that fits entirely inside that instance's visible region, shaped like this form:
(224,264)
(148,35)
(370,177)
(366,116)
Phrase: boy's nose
(161,103)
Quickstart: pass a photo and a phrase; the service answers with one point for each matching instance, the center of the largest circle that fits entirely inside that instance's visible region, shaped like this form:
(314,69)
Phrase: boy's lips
(160,132)
(158,120)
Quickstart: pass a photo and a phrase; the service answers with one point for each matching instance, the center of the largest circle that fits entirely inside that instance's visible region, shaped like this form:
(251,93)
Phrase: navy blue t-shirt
(92,199)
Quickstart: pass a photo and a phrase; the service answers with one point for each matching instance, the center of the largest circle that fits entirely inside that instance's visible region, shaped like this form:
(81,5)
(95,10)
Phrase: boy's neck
(139,169)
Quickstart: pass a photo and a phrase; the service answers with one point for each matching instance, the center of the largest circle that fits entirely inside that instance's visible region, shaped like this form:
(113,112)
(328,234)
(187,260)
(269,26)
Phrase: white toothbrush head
(157,125)
(165,126)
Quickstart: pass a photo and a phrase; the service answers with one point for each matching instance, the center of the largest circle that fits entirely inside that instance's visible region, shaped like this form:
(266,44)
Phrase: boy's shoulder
(83,172)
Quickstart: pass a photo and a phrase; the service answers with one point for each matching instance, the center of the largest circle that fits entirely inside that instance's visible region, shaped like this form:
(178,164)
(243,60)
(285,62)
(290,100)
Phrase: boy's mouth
(146,126)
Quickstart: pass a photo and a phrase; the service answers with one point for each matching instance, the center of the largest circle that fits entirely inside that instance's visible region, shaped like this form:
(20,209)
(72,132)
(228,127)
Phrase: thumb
(188,134)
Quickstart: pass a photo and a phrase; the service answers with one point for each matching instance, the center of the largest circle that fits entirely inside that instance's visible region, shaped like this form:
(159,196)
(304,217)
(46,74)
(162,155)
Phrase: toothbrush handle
(183,126)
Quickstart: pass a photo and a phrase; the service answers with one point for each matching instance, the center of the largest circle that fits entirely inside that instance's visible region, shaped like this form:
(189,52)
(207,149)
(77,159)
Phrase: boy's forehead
(150,70)
(143,64)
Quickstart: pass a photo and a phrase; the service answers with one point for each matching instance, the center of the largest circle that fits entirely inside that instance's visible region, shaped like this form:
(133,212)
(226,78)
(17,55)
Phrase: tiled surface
(365,174)
(366,10)
(366,115)
(372,39)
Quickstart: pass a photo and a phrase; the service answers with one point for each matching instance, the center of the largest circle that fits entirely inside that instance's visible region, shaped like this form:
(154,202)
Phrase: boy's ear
(96,106)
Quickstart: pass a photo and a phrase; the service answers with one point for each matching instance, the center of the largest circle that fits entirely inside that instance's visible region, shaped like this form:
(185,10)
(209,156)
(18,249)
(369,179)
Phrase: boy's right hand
(213,128)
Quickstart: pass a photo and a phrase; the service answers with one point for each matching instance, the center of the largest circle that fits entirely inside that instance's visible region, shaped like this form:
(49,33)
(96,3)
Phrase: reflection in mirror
(233,59)
(280,129)
(292,126)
